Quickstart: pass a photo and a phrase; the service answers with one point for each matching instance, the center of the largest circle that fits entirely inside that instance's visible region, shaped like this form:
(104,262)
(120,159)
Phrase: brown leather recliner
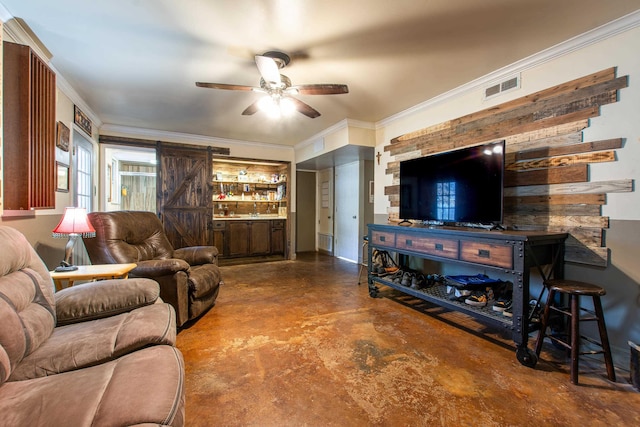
(96,354)
(189,278)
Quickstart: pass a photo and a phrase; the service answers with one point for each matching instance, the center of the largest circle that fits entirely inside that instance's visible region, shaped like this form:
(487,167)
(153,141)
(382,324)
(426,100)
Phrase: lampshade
(74,222)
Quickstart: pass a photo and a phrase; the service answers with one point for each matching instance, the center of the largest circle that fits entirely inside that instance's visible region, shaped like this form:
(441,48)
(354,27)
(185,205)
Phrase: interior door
(83,166)
(306,211)
(185,195)
(347,198)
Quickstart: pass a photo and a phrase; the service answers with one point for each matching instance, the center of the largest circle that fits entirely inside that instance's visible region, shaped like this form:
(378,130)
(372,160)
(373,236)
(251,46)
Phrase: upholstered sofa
(96,354)
(189,278)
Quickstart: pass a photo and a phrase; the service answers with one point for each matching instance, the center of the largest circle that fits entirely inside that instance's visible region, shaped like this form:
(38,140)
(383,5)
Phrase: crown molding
(20,32)
(70,92)
(581,41)
(158,135)
(342,124)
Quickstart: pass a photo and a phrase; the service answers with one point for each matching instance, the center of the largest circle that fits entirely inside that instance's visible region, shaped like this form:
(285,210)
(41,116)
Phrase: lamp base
(60,268)
(65,266)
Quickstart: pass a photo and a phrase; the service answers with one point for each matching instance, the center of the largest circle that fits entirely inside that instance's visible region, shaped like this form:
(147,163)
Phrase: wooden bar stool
(575,290)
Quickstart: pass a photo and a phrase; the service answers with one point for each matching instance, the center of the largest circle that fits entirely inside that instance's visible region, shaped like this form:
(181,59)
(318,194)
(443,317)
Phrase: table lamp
(74,223)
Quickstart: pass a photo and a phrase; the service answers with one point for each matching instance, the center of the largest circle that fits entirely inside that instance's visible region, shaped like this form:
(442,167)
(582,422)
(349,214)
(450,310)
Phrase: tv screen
(462,186)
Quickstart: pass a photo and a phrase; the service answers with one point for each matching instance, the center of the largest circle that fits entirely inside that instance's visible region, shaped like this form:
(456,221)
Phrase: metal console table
(512,253)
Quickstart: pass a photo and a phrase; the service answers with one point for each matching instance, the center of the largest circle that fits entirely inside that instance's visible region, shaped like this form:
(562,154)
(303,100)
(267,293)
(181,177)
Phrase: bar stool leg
(574,301)
(604,339)
(544,321)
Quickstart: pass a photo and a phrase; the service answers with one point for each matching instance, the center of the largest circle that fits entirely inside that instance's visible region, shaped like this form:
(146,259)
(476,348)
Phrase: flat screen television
(462,186)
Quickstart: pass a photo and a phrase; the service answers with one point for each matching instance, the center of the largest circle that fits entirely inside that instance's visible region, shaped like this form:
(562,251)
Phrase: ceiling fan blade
(223,86)
(321,89)
(269,70)
(251,109)
(305,109)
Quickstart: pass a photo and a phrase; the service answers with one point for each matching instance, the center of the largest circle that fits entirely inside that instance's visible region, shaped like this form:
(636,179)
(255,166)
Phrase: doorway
(306,211)
(83,167)
(130,181)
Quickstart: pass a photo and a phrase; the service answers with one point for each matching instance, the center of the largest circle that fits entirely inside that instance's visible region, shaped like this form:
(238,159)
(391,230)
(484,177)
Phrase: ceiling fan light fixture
(276,106)
(280,96)
(287,106)
(270,106)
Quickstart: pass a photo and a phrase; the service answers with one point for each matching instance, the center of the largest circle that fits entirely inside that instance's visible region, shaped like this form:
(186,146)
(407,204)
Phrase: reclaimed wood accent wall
(547,185)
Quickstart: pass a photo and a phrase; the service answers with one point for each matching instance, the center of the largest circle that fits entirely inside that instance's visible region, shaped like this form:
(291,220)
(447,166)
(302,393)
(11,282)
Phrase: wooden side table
(91,272)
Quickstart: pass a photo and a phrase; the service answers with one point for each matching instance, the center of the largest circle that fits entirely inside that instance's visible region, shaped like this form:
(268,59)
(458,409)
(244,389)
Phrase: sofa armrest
(159,267)
(198,255)
(95,300)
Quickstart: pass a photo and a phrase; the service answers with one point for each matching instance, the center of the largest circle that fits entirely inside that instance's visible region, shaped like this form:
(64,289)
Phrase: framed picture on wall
(82,120)
(62,136)
(62,185)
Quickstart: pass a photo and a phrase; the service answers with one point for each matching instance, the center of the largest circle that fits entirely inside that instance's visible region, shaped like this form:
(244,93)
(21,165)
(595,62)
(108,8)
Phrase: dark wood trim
(138,142)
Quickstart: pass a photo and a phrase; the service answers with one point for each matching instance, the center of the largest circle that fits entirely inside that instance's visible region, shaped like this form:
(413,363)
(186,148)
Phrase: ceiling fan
(278,89)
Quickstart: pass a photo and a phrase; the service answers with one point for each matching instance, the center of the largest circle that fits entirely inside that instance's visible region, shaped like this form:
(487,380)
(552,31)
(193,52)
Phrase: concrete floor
(299,343)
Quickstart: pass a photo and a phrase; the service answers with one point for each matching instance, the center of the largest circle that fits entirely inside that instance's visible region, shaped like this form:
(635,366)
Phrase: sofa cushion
(79,345)
(143,387)
(95,300)
(198,255)
(159,267)
(203,280)
(27,313)
(127,236)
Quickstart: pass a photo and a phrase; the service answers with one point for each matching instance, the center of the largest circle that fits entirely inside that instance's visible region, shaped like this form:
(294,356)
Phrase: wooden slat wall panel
(29,133)
(587,147)
(42,168)
(557,199)
(559,175)
(577,209)
(547,176)
(596,157)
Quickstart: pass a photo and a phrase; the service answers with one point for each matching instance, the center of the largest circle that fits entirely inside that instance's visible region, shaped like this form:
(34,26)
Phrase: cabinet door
(260,237)
(219,228)
(277,237)
(238,238)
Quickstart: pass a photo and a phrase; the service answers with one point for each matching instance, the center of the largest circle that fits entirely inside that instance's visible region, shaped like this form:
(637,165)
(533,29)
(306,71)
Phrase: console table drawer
(446,248)
(486,253)
(383,239)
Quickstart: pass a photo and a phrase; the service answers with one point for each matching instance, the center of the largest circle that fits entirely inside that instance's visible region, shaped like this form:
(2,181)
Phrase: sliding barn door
(184,195)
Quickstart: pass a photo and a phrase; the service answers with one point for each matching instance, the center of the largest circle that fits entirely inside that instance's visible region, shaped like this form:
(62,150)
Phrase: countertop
(248,217)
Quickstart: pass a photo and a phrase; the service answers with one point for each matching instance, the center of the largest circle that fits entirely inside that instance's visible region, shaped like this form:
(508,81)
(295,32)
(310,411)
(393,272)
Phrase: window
(446,201)
(83,166)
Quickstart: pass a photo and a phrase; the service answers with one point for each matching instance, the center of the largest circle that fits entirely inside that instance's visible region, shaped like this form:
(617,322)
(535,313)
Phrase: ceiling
(135,62)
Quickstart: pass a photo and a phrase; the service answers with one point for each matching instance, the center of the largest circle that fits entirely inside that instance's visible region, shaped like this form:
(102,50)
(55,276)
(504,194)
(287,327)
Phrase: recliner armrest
(198,255)
(95,300)
(159,267)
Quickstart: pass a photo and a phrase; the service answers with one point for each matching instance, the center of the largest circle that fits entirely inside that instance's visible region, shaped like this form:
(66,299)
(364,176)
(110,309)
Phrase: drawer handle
(382,238)
(409,242)
(439,247)
(483,253)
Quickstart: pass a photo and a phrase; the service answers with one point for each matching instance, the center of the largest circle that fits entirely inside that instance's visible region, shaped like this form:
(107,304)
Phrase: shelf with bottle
(272,192)
(271,197)
(249,208)
(258,184)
